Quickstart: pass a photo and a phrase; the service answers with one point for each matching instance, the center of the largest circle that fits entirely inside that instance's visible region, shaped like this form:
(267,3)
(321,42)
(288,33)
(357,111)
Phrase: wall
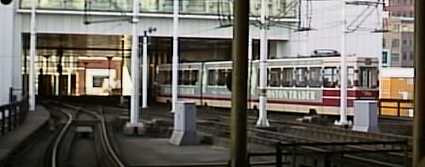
(9,53)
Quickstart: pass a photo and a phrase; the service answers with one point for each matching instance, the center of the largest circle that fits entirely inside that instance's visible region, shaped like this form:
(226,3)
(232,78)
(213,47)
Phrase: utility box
(184,132)
(365,116)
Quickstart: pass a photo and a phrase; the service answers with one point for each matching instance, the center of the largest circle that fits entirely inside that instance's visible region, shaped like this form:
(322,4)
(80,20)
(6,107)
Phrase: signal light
(5,2)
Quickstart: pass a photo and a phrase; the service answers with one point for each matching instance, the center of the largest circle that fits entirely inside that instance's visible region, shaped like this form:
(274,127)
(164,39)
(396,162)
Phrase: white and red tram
(294,84)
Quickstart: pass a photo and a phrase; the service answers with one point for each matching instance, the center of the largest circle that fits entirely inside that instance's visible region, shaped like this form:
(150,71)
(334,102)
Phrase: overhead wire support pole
(343,73)
(238,151)
(175,59)
(145,71)
(262,118)
(135,95)
(419,119)
(33,53)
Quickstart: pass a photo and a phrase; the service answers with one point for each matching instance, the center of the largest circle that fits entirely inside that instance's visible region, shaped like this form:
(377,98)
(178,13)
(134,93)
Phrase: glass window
(330,77)
(221,80)
(212,77)
(164,77)
(287,77)
(301,77)
(186,77)
(315,77)
(194,77)
(350,78)
(368,77)
(180,81)
(98,81)
(274,77)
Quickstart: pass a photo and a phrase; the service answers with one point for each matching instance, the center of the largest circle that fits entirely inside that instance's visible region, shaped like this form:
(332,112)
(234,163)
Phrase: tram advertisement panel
(300,95)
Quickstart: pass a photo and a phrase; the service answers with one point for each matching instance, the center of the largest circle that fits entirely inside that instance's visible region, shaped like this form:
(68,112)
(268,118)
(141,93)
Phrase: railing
(331,153)
(396,107)
(278,8)
(12,115)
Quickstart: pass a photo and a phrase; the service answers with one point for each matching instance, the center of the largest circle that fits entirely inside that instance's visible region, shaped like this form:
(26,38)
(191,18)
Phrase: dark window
(221,80)
(368,77)
(287,77)
(164,77)
(275,77)
(194,77)
(98,81)
(395,43)
(330,77)
(180,81)
(350,77)
(301,77)
(212,79)
(315,77)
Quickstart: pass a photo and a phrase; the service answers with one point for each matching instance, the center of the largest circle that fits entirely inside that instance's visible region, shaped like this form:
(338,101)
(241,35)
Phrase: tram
(294,84)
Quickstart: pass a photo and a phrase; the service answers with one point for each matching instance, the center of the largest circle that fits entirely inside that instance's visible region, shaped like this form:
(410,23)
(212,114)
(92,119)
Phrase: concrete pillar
(7,40)
(238,135)
(262,117)
(174,81)
(419,119)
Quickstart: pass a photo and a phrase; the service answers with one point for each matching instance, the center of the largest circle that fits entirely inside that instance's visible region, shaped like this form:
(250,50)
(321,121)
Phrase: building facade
(85,28)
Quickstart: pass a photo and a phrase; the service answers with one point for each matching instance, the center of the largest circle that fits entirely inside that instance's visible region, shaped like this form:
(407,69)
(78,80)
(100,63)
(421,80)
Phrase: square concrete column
(184,132)
(365,116)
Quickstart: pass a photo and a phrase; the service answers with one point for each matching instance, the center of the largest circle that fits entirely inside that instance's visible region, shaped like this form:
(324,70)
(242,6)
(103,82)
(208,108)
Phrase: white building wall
(9,49)
(326,22)
(189,27)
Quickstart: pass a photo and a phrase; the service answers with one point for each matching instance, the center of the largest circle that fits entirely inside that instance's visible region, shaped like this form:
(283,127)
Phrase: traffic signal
(5,2)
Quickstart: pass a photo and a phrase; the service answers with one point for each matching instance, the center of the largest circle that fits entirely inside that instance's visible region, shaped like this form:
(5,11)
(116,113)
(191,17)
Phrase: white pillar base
(342,123)
(263,122)
(134,129)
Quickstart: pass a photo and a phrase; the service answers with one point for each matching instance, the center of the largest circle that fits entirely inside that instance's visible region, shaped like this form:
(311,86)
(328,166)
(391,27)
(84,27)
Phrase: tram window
(350,77)
(287,77)
(330,77)
(212,77)
(315,80)
(368,77)
(221,80)
(274,77)
(180,81)
(301,77)
(186,77)
(163,77)
(194,77)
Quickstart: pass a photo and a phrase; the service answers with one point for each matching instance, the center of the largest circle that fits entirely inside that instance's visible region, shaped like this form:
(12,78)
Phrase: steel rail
(60,137)
(111,152)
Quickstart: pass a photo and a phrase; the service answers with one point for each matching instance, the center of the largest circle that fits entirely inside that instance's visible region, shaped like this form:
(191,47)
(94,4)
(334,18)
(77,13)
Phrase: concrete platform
(12,140)
(143,151)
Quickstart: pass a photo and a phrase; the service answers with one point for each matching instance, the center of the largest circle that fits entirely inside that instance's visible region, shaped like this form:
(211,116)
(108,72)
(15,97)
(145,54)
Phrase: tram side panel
(296,85)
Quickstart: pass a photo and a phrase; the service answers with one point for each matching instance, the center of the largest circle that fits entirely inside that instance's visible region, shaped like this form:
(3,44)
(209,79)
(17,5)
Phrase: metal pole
(32,58)
(134,115)
(238,152)
(419,119)
(175,65)
(343,73)
(109,74)
(84,79)
(122,70)
(262,118)
(145,72)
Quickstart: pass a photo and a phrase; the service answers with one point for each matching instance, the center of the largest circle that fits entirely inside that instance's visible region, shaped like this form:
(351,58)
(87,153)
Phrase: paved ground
(13,140)
(157,151)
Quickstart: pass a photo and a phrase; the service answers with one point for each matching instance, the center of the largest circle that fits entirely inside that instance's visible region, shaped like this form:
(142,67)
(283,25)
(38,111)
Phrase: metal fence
(12,115)
(396,107)
(337,154)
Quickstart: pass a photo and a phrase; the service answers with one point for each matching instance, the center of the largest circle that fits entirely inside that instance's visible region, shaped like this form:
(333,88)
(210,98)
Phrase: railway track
(84,121)
(288,132)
